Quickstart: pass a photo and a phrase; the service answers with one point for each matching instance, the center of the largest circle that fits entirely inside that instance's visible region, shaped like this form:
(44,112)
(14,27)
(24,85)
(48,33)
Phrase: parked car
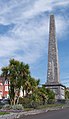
(4,101)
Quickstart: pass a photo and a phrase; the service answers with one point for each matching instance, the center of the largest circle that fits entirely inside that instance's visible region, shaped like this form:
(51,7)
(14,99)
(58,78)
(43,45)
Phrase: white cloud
(37,8)
(7,46)
(61,26)
(31,39)
(29,34)
(16,11)
(62,3)
(43,6)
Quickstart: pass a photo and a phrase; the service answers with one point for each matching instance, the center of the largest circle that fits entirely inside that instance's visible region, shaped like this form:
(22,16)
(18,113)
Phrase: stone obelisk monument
(53,76)
(53,65)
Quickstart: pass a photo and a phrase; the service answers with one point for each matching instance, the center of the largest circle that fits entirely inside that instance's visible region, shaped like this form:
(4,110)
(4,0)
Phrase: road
(59,114)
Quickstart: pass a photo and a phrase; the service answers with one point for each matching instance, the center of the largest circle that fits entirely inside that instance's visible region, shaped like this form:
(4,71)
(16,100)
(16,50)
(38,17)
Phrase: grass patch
(3,113)
(28,109)
(48,106)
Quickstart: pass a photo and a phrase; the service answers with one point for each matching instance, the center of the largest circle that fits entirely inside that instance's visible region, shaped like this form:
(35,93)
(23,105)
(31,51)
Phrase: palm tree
(34,83)
(5,72)
(18,74)
(15,79)
(24,74)
(42,94)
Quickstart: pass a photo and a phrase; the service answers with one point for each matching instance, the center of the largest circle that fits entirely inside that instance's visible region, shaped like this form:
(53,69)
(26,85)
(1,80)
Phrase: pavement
(54,114)
(38,114)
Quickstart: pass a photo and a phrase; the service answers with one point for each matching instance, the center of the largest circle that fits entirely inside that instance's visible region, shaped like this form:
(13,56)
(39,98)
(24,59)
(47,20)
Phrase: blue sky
(24,34)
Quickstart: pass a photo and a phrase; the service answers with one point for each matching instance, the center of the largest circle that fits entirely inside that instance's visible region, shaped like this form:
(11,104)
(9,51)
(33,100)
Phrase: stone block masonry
(53,75)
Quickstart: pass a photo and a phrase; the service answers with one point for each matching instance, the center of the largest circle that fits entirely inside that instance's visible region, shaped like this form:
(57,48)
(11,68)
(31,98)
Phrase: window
(6,88)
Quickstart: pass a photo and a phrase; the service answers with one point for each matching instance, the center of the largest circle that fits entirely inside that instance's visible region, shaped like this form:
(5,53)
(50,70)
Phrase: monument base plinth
(58,89)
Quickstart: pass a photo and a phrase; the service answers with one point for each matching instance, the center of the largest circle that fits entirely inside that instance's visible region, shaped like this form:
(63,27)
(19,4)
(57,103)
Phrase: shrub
(25,102)
(17,107)
(28,102)
(6,106)
(50,101)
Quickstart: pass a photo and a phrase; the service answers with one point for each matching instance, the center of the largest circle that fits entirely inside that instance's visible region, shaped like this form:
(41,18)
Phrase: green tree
(17,73)
(34,83)
(42,94)
(66,94)
(5,75)
(24,75)
(51,95)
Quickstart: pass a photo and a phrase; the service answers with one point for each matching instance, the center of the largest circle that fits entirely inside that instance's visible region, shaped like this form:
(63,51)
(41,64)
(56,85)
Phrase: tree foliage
(18,75)
(66,94)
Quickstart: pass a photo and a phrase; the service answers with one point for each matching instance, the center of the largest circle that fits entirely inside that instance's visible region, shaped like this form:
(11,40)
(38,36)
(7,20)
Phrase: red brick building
(3,88)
